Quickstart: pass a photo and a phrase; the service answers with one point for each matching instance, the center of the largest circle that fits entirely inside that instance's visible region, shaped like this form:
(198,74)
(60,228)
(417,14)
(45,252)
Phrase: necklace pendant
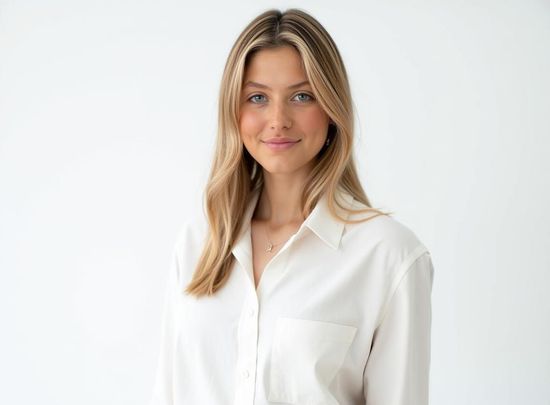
(269,247)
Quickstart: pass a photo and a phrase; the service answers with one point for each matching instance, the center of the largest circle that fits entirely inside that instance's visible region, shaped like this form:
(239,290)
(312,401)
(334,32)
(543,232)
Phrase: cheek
(249,124)
(315,122)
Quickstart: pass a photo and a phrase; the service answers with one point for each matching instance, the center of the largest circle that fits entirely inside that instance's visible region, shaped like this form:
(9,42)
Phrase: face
(281,124)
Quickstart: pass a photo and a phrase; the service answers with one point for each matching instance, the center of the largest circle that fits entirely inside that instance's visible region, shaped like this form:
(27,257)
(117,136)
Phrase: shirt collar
(319,221)
(324,225)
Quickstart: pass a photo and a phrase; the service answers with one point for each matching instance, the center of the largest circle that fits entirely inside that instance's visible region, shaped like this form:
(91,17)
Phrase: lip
(281,140)
(280,143)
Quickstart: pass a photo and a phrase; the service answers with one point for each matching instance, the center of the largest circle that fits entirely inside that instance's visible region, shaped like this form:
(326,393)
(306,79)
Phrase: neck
(280,199)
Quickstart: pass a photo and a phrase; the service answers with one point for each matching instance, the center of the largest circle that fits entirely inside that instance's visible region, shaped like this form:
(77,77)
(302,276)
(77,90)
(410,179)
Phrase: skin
(279,111)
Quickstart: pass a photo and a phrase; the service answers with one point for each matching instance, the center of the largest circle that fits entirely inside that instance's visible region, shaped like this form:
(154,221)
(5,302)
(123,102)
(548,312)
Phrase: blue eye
(255,95)
(253,99)
(305,94)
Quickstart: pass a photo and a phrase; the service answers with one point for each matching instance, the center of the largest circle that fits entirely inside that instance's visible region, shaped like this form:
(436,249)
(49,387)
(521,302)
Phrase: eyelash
(256,95)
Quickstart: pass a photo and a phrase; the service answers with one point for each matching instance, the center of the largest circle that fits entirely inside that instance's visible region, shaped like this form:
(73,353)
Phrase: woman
(293,289)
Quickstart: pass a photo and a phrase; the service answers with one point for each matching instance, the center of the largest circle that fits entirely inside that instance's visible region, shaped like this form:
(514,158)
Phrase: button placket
(247,352)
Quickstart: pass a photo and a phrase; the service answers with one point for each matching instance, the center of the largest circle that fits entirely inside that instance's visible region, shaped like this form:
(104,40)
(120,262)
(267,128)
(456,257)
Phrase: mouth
(280,145)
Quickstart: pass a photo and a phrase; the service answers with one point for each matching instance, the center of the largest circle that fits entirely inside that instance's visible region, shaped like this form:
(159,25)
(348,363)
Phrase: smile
(280,145)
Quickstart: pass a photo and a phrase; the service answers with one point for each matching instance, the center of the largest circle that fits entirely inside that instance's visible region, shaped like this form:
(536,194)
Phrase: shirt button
(251,313)
(246,374)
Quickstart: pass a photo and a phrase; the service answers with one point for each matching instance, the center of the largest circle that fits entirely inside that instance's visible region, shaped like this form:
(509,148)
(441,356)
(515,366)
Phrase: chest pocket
(305,357)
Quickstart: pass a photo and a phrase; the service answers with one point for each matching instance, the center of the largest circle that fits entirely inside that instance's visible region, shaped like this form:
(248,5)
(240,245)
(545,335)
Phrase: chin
(278,171)
(283,168)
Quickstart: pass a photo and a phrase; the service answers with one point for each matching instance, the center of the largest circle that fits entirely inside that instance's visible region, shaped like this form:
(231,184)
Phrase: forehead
(275,67)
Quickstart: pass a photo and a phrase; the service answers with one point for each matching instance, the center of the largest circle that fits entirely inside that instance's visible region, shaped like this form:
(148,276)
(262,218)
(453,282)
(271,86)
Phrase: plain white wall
(107,120)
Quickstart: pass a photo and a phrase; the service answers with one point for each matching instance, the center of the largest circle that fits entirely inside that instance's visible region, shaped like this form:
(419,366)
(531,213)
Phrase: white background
(108,114)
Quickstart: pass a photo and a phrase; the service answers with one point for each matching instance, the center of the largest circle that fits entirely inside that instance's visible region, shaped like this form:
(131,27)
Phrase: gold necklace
(271,245)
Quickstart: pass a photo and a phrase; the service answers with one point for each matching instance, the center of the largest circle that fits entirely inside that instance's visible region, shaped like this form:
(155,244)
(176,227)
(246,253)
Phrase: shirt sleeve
(164,378)
(398,366)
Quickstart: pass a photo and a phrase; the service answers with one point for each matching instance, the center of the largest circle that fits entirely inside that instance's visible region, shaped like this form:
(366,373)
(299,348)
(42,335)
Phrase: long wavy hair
(235,175)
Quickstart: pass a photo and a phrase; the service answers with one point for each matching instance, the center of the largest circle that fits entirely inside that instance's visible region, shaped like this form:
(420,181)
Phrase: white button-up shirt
(341,315)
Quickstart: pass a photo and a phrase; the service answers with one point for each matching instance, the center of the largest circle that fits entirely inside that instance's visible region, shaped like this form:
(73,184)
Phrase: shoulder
(191,233)
(188,246)
(384,230)
(384,240)
(387,250)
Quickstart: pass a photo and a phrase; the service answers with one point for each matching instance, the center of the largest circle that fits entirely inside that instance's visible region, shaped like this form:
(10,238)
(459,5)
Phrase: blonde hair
(235,175)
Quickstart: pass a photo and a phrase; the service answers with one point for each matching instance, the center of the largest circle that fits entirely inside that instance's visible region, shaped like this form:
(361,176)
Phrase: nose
(279,117)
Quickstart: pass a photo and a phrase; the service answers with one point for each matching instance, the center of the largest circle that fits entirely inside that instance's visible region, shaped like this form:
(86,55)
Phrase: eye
(305,98)
(308,97)
(251,98)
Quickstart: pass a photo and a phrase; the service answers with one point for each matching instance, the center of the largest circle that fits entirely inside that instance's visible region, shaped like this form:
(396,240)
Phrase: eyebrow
(263,86)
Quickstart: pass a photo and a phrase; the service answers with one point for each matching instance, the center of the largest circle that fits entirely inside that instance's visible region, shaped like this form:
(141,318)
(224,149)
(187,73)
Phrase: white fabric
(342,315)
